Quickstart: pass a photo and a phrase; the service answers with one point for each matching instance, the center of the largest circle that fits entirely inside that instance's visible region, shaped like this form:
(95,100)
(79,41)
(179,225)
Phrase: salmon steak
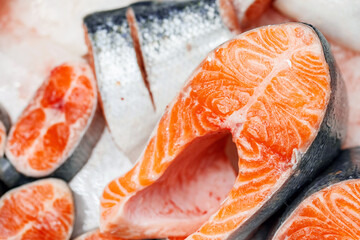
(277,92)
(52,125)
(330,207)
(42,209)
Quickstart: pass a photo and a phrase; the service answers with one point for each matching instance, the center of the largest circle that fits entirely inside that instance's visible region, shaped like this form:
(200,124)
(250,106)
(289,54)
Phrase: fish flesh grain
(96,235)
(55,121)
(43,209)
(348,62)
(337,19)
(330,207)
(138,52)
(86,187)
(284,131)
(212,163)
(173,39)
(139,48)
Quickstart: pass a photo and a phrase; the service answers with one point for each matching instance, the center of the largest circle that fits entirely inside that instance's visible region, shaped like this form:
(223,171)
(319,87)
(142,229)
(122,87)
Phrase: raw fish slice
(330,207)
(52,125)
(125,100)
(96,235)
(106,163)
(212,162)
(40,210)
(79,157)
(336,19)
(276,89)
(348,62)
(174,37)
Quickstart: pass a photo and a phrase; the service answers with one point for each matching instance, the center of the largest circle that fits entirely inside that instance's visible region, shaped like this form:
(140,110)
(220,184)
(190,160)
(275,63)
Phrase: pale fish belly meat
(277,91)
(330,207)
(142,55)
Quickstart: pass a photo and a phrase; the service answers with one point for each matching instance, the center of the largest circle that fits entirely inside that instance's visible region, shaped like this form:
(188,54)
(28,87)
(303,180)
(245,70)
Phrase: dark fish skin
(12,178)
(261,233)
(320,154)
(345,167)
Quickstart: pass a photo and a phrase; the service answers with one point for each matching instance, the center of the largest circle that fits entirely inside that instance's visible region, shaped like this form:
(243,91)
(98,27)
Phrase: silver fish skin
(142,56)
(345,167)
(126,103)
(174,37)
(337,19)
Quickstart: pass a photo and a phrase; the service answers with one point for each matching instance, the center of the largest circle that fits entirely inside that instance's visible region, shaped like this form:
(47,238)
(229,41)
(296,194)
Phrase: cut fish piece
(125,100)
(148,64)
(276,89)
(210,164)
(330,207)
(174,37)
(348,62)
(106,163)
(249,11)
(40,210)
(95,235)
(12,178)
(52,125)
(337,19)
